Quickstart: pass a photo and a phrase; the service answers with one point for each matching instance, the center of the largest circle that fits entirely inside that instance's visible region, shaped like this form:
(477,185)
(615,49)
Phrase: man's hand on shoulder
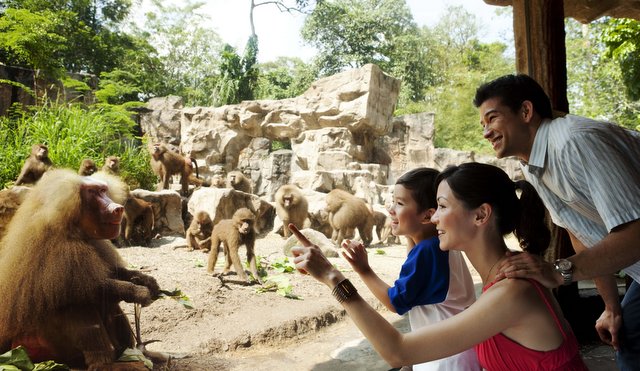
(525,265)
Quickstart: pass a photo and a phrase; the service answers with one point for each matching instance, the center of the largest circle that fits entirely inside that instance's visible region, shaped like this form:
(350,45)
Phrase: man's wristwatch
(565,268)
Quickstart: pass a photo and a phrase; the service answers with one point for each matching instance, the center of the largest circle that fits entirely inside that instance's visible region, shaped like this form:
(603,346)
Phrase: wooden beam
(538,27)
(586,11)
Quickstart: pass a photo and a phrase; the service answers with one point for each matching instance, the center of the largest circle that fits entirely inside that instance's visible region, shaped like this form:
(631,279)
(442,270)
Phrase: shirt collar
(539,149)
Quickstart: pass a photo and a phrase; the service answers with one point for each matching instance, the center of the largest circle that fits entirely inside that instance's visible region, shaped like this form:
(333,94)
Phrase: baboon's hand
(149,282)
(143,296)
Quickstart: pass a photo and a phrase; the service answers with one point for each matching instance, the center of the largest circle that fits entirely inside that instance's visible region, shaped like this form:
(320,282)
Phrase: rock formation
(341,132)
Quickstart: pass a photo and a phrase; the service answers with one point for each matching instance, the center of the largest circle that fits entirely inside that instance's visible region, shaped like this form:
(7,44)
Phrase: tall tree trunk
(253,28)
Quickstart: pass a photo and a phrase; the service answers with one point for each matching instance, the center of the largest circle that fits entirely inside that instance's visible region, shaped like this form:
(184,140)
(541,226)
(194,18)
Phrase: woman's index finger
(303,240)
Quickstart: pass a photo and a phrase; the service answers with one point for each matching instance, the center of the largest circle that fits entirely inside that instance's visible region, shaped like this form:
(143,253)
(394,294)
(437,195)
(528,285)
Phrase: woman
(515,324)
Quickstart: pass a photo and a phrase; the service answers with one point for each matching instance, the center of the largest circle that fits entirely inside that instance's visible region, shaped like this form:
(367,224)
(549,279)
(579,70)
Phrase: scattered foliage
(178,296)
(279,284)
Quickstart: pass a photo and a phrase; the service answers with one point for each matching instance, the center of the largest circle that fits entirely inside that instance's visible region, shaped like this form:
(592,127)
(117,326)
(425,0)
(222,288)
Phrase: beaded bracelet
(344,290)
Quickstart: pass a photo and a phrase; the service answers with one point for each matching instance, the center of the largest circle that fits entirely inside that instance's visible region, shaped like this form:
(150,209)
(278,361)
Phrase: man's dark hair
(512,91)
(421,183)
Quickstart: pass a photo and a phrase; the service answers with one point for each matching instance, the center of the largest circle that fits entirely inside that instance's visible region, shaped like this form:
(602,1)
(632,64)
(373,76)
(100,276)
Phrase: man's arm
(619,249)
(610,320)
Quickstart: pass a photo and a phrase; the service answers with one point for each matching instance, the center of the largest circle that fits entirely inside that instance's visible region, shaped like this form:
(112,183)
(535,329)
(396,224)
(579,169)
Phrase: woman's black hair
(421,182)
(475,183)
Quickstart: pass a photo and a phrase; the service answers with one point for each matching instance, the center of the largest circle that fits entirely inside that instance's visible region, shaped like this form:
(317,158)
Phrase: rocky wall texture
(341,132)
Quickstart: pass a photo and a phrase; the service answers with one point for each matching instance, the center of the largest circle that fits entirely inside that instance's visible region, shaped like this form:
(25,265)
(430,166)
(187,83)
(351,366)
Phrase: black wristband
(344,290)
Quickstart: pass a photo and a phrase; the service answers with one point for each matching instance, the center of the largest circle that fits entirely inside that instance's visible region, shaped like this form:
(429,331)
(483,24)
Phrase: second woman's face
(455,224)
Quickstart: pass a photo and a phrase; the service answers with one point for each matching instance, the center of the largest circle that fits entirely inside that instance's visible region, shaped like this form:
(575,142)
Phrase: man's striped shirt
(587,173)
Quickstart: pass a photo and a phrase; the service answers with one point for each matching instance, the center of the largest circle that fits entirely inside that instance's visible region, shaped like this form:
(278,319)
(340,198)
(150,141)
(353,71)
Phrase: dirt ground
(231,322)
(233,327)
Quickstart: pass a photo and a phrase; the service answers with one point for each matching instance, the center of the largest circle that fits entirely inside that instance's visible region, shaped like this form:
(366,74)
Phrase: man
(588,175)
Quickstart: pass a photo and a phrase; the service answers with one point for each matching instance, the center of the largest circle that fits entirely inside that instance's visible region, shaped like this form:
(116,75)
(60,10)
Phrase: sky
(279,33)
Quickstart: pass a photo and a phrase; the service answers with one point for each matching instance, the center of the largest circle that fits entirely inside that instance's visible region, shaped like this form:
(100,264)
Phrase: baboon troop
(198,235)
(166,163)
(111,165)
(346,213)
(36,164)
(233,233)
(239,182)
(291,207)
(62,276)
(87,167)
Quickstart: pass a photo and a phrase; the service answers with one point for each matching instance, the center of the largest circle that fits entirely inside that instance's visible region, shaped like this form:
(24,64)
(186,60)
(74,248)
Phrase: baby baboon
(198,234)
(37,163)
(111,165)
(347,212)
(233,233)
(167,163)
(64,278)
(239,182)
(138,221)
(291,207)
(87,167)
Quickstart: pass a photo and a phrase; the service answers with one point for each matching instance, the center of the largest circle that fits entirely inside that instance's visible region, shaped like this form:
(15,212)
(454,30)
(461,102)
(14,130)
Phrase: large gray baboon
(291,207)
(233,233)
(346,213)
(64,278)
(198,235)
(37,163)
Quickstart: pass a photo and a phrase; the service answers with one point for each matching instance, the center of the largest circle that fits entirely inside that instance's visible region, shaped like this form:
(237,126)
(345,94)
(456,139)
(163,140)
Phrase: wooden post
(538,27)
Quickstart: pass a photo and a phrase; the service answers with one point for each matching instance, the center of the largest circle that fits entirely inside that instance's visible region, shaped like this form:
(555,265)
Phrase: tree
(284,78)
(238,76)
(598,86)
(463,64)
(89,28)
(187,49)
(301,6)
(622,38)
(350,34)
(30,40)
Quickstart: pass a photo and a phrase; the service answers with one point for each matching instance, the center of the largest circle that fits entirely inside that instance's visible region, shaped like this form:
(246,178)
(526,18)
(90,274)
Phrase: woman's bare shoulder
(521,292)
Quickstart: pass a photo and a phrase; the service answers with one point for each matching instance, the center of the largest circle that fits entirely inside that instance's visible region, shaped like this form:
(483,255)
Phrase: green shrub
(72,134)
